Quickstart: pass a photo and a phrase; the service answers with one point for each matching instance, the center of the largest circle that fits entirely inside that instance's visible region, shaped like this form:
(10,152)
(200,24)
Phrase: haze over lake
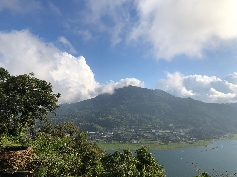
(220,156)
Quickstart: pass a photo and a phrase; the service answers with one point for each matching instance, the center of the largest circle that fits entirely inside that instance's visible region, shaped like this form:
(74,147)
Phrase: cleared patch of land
(229,137)
(152,145)
(156,145)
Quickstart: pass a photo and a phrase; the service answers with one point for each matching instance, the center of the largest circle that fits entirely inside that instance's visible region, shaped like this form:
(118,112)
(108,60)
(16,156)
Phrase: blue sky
(87,47)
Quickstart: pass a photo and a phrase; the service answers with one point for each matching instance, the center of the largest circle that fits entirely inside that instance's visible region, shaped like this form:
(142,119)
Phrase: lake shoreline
(158,146)
(153,146)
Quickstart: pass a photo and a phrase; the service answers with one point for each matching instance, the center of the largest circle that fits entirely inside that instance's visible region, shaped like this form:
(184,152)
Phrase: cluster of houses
(132,135)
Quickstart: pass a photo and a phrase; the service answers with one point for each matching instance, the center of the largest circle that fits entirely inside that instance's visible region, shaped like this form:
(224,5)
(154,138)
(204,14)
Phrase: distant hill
(135,107)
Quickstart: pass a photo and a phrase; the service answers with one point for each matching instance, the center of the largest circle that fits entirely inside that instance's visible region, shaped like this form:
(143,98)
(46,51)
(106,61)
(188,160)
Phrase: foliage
(131,107)
(54,156)
(151,146)
(118,164)
(59,154)
(63,150)
(126,164)
(147,164)
(24,99)
(62,154)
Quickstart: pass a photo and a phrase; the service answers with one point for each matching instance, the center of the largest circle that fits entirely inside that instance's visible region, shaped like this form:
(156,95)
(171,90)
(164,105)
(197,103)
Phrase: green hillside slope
(138,108)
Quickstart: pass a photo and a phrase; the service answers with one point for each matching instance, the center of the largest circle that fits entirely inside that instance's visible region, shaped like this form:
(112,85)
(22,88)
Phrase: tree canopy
(134,108)
(23,100)
(60,150)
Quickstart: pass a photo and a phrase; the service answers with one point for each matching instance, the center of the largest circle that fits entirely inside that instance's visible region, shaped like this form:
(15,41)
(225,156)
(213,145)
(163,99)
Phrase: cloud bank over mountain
(21,52)
(204,88)
(194,41)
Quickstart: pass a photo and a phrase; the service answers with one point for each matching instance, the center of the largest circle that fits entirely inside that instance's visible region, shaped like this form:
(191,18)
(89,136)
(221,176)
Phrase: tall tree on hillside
(23,100)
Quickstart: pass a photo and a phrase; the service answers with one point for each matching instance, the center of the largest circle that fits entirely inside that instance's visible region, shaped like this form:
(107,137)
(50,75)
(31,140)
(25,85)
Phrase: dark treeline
(131,107)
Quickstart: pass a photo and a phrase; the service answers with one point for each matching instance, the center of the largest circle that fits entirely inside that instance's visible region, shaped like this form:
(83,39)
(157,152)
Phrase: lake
(218,157)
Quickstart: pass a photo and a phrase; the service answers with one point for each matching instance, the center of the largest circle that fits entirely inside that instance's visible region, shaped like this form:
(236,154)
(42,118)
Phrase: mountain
(138,108)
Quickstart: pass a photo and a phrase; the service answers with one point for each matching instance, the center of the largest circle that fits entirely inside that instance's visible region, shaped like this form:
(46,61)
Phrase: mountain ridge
(139,107)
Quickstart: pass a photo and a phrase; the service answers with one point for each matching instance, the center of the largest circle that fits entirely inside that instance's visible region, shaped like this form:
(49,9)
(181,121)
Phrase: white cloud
(23,6)
(112,17)
(103,8)
(224,97)
(73,77)
(63,40)
(110,87)
(168,27)
(174,84)
(84,33)
(204,88)
(21,52)
(232,78)
(54,9)
(185,27)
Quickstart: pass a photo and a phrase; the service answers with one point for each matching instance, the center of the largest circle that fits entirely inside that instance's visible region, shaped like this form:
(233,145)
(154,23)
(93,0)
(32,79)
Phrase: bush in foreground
(60,153)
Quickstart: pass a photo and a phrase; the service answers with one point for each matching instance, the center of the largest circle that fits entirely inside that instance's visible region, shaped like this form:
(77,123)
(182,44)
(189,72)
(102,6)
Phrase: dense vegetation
(23,100)
(62,149)
(140,107)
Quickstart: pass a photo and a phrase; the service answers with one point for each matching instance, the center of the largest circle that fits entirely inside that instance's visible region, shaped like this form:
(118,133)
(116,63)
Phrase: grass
(152,145)
(156,145)
(229,137)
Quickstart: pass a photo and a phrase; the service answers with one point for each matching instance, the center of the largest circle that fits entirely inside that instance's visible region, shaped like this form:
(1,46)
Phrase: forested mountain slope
(135,107)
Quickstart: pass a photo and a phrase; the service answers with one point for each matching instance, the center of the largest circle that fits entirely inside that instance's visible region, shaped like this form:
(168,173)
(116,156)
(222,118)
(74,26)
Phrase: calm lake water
(221,156)
(217,158)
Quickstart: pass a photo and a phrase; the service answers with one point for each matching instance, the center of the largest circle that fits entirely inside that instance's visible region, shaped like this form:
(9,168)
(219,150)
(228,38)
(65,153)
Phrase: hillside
(139,108)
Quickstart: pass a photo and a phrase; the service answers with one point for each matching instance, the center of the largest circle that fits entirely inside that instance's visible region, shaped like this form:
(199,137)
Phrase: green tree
(45,126)
(62,150)
(23,100)
(148,165)
(65,129)
(126,164)
(120,164)
(65,152)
